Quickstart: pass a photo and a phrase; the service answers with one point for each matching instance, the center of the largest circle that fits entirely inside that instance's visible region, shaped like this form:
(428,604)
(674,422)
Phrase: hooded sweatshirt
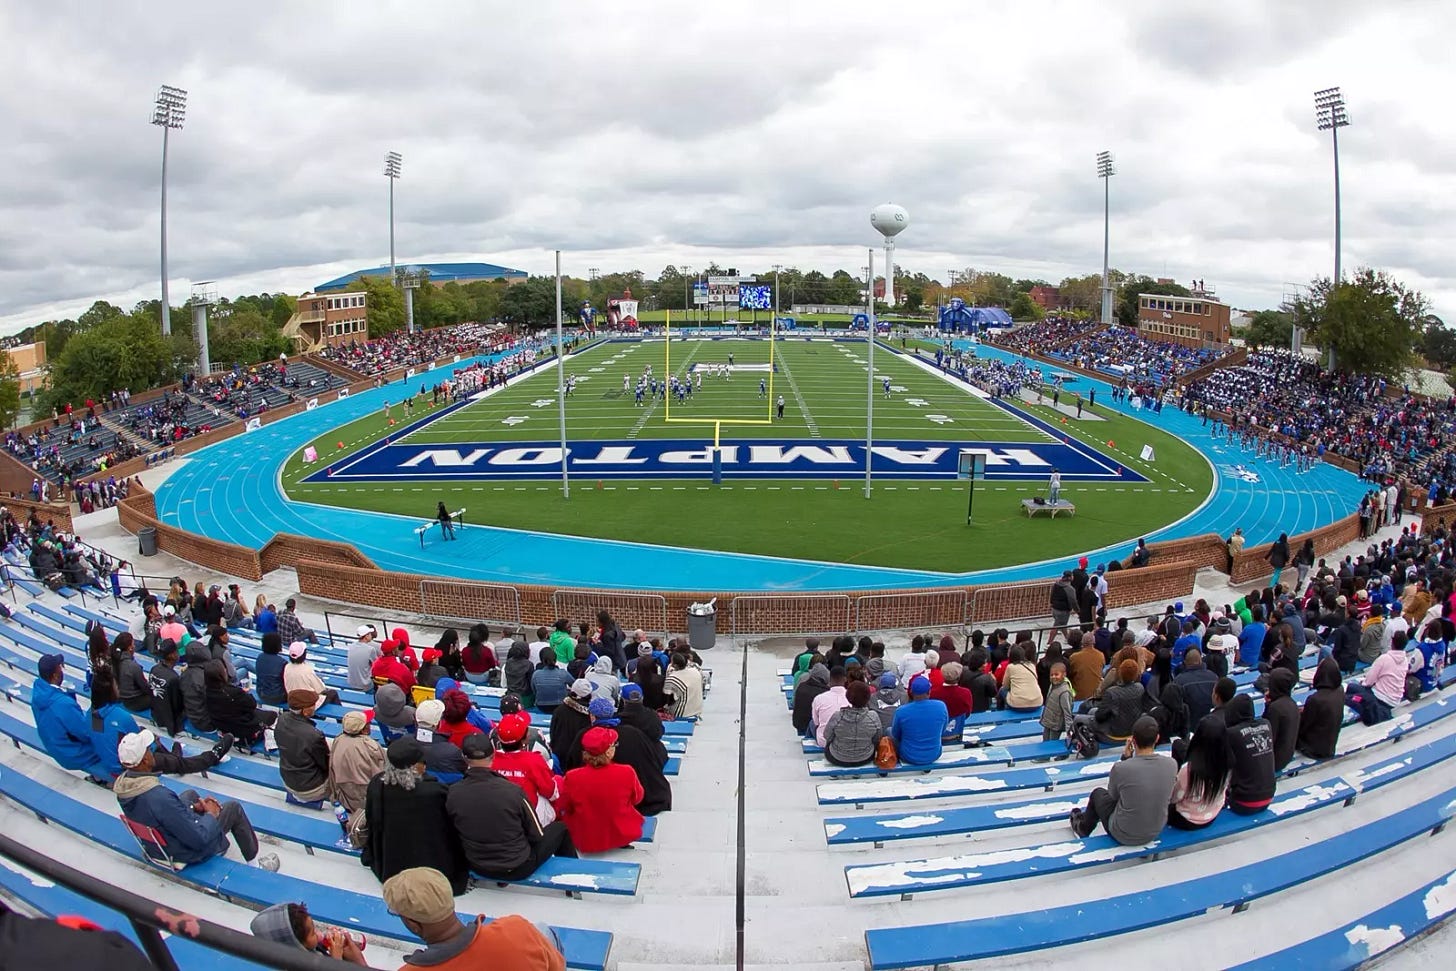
(1283,715)
(1324,712)
(1251,755)
(273,925)
(605,684)
(518,668)
(814,685)
(390,708)
(194,688)
(191,836)
(64,729)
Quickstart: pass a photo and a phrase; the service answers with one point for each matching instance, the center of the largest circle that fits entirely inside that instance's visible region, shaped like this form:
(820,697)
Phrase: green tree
(243,335)
(844,290)
(531,303)
(1084,292)
(1022,307)
(1126,302)
(1371,323)
(122,352)
(1025,285)
(99,313)
(385,304)
(9,391)
(1269,328)
(1438,344)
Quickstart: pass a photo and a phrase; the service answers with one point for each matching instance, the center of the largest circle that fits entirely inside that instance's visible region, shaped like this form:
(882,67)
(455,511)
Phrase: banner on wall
(409,374)
(343,393)
(253,425)
(312,404)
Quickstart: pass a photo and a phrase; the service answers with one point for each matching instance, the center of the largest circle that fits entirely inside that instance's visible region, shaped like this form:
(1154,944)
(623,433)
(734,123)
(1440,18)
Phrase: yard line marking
(803,406)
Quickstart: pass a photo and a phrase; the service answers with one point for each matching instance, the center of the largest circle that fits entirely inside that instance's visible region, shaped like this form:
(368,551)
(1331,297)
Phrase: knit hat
(356,723)
(274,925)
(429,713)
(581,688)
(131,749)
(602,708)
(644,649)
(920,685)
(421,894)
(631,691)
(510,702)
(596,741)
(297,649)
(302,699)
(512,728)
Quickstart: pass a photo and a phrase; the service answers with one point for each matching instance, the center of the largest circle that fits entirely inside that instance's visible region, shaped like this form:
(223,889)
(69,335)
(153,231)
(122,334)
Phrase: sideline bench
(1005,934)
(256,887)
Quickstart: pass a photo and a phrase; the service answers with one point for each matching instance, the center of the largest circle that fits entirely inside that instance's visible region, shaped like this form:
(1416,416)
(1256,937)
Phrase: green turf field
(908,524)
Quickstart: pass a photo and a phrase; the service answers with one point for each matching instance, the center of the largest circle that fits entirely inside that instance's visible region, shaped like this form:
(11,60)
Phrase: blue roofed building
(439,274)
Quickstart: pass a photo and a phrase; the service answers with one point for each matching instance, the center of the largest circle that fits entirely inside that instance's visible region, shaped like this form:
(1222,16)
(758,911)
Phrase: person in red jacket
(407,657)
(598,801)
(455,724)
(525,767)
(390,668)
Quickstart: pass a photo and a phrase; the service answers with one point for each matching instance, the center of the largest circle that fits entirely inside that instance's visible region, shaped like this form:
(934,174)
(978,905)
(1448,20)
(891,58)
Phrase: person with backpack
(1134,806)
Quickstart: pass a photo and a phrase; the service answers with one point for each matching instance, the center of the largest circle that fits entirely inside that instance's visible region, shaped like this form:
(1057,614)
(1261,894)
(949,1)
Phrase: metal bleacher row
(252,779)
(1020,761)
(304,381)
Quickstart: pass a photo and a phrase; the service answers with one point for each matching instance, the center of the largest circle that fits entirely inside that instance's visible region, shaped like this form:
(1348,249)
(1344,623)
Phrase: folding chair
(153,845)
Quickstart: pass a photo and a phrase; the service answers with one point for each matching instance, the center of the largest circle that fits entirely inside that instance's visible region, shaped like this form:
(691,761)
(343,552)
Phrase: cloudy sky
(639,133)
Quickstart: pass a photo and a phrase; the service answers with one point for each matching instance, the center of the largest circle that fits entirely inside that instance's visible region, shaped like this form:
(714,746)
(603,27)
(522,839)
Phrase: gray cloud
(647,132)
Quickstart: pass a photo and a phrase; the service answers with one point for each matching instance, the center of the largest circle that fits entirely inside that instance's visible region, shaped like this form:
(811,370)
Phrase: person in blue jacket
(64,729)
(476,716)
(195,828)
(919,724)
(1251,638)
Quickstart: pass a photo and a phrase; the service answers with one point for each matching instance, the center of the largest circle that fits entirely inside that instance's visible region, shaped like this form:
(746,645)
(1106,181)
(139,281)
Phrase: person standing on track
(447,525)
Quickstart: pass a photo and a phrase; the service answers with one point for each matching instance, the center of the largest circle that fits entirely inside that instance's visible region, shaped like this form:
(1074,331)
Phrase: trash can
(703,625)
(147,541)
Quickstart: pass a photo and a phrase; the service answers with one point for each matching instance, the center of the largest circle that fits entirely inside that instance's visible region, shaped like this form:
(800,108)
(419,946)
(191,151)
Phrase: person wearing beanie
(303,752)
(918,726)
(393,713)
(646,757)
(549,682)
(1134,806)
(442,757)
(408,824)
(455,721)
(499,832)
(354,759)
(290,924)
(636,714)
(522,765)
(390,668)
(422,900)
(599,800)
(571,717)
(299,675)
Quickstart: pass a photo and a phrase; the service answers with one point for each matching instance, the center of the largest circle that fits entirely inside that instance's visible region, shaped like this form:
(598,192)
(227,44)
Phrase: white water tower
(891,220)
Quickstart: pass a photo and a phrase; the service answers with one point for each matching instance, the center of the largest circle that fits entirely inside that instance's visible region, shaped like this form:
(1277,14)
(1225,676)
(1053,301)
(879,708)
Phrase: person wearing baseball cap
(919,724)
(362,654)
(299,675)
(599,800)
(354,759)
(303,752)
(518,761)
(171,626)
(195,828)
(647,758)
(64,729)
(499,831)
(389,667)
(633,712)
(408,823)
(442,757)
(421,898)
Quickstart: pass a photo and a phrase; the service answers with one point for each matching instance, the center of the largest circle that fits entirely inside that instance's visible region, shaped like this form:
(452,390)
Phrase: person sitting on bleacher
(829,702)
(499,830)
(853,733)
(685,686)
(1282,714)
(63,728)
(303,752)
(455,721)
(172,628)
(420,897)
(195,829)
(361,657)
(633,712)
(806,692)
(408,823)
(269,669)
(431,670)
(1084,668)
(299,675)
(1323,713)
(393,712)
(441,756)
(290,628)
(918,725)
(110,721)
(599,799)
(131,680)
(524,764)
(354,759)
(646,757)
(1201,788)
(291,924)
(231,709)
(389,667)
(1121,704)
(1197,683)
(166,686)
(193,684)
(571,718)
(1134,806)
(1251,755)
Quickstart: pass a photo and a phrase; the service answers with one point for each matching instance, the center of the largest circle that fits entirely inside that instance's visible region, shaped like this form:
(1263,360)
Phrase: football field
(641,467)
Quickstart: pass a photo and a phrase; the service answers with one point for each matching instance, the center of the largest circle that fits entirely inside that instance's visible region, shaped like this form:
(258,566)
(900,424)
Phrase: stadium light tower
(1105,172)
(776,268)
(683,272)
(1330,116)
(391,172)
(168,112)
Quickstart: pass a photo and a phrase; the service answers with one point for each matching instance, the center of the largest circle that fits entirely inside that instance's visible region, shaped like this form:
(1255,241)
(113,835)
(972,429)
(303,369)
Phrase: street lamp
(1105,172)
(168,112)
(1330,116)
(891,220)
(391,172)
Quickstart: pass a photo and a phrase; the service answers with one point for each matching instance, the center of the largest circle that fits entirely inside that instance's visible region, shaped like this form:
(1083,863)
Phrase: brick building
(1049,298)
(1194,321)
(329,319)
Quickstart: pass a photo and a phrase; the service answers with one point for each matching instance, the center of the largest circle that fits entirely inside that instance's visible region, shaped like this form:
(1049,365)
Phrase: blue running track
(230,491)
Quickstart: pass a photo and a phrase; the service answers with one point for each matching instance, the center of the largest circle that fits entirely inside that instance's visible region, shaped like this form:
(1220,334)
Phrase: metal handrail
(149,919)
